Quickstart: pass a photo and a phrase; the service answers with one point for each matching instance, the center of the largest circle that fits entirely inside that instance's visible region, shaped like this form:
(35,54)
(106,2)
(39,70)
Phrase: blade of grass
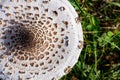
(114,3)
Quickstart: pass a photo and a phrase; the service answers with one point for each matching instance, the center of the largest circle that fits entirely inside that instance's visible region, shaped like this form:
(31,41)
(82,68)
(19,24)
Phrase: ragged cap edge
(75,52)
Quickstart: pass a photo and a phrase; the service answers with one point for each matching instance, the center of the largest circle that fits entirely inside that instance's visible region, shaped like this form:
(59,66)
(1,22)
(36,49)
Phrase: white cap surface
(39,39)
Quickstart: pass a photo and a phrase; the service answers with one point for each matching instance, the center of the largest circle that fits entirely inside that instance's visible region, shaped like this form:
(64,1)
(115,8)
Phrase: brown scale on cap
(62,8)
(39,39)
(0,22)
(80,45)
(67,70)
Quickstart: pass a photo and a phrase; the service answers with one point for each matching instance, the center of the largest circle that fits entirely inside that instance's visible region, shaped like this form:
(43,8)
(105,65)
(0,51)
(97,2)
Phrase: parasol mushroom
(39,39)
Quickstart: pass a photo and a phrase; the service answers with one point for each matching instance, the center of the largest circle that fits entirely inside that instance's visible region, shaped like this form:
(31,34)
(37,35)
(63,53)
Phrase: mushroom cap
(39,39)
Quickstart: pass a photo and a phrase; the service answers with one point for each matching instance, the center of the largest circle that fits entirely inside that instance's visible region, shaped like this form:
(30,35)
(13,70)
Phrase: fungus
(39,39)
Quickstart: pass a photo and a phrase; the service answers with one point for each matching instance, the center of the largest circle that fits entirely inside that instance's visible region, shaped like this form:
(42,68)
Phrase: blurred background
(100,57)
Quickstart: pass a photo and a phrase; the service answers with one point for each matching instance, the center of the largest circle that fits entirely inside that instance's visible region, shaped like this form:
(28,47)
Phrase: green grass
(100,57)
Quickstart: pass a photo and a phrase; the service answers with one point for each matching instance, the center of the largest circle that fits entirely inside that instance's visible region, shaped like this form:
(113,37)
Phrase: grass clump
(100,57)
